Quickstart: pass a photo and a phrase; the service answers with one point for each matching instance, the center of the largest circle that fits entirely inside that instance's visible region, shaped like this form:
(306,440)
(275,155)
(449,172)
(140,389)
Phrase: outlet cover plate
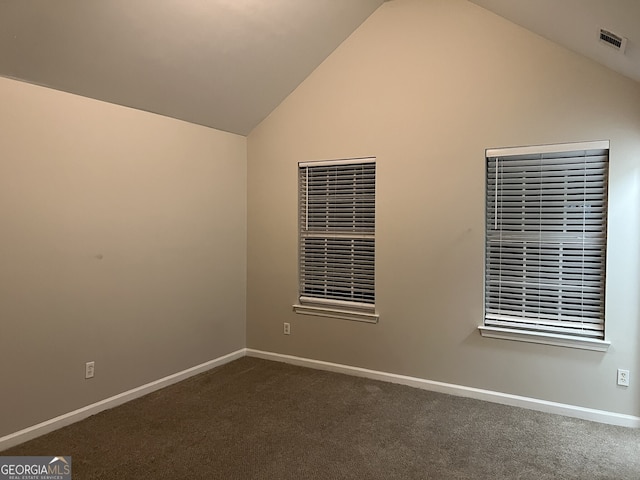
(89,369)
(623,377)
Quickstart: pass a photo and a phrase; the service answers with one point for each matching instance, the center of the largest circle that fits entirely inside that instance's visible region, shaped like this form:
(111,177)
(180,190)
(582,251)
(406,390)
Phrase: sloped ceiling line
(227,64)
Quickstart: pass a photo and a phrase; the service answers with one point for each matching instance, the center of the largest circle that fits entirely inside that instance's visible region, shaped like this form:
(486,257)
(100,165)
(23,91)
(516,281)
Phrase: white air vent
(615,41)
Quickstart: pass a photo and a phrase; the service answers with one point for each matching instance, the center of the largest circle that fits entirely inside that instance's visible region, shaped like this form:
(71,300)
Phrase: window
(337,239)
(546,215)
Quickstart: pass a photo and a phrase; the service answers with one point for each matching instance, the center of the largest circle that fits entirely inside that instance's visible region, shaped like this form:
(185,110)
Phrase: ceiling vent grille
(616,41)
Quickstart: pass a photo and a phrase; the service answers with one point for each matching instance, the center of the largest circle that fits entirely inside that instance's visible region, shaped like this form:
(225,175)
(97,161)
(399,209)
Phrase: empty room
(321,239)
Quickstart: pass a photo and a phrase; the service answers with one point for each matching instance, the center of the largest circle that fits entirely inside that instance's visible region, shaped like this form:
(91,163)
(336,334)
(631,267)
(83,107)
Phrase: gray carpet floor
(256,419)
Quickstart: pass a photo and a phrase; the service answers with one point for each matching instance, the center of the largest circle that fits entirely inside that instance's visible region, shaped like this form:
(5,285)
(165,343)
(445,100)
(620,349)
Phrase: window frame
(537,333)
(360,235)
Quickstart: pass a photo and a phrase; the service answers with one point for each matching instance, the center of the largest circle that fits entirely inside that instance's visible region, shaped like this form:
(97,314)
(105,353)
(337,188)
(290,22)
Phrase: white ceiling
(228,63)
(575,25)
(222,63)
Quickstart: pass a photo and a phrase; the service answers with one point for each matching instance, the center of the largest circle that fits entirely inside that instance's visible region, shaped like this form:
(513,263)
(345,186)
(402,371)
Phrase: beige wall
(123,232)
(123,242)
(426,86)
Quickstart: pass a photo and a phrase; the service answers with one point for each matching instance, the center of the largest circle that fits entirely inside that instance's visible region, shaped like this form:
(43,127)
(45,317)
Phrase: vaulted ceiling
(576,24)
(222,63)
(228,63)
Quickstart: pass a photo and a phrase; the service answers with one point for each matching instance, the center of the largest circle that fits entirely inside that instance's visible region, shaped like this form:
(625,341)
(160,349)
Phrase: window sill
(333,312)
(545,338)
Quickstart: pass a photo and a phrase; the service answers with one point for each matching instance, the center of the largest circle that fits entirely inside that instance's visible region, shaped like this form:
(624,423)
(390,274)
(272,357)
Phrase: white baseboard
(574,411)
(34,431)
(47,426)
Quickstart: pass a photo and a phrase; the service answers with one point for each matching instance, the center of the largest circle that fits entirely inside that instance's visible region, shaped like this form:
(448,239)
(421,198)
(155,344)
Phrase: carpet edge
(74,416)
(574,411)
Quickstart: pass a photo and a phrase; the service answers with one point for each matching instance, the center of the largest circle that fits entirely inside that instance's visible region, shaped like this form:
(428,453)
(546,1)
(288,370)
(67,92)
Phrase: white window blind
(337,233)
(546,211)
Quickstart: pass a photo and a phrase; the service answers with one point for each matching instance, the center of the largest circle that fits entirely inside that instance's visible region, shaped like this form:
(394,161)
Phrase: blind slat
(546,240)
(337,231)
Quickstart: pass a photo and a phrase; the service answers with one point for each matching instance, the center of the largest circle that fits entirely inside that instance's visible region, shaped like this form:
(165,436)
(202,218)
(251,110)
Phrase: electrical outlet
(89,369)
(623,377)
(287,328)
